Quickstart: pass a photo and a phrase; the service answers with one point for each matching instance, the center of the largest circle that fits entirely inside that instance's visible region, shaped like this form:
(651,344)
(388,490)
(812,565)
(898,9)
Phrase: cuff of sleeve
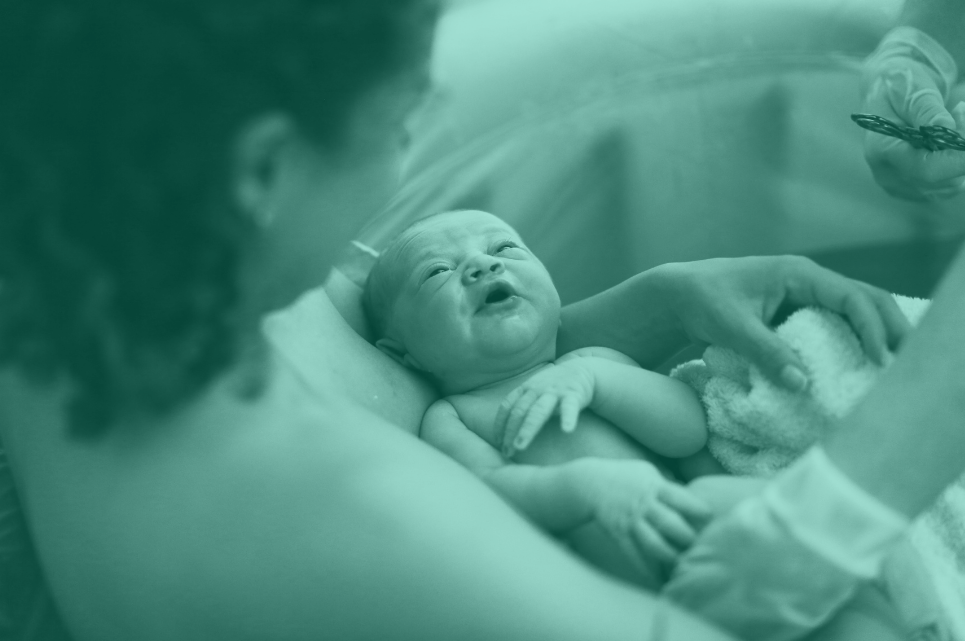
(827,512)
(780,564)
(909,42)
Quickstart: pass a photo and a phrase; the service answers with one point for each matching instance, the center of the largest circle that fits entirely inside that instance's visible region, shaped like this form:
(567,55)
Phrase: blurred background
(617,135)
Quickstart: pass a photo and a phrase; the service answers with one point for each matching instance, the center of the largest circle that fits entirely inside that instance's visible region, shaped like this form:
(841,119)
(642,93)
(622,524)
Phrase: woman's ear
(259,153)
(398,353)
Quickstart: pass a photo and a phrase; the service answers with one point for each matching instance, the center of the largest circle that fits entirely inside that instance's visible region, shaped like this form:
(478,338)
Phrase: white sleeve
(781,563)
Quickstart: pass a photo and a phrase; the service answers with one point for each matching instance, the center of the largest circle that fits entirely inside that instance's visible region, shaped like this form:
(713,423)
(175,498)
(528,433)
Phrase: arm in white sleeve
(783,562)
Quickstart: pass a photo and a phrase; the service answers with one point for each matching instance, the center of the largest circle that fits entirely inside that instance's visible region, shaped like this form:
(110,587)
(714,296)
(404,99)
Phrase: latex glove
(907,80)
(781,563)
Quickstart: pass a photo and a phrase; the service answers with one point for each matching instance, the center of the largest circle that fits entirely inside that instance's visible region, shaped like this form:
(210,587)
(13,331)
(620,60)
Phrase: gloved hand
(907,80)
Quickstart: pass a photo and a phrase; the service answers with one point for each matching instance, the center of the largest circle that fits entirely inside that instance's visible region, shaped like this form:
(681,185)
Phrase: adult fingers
(848,298)
(911,95)
(919,103)
(903,171)
(958,114)
(865,319)
(925,174)
(896,323)
(569,413)
(685,503)
(753,340)
(539,413)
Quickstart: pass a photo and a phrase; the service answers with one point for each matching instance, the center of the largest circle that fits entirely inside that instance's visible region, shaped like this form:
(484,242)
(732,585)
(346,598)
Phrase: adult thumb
(916,99)
(958,113)
(926,107)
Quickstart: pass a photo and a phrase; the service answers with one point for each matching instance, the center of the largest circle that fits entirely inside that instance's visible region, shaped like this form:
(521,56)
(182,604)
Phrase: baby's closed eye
(504,246)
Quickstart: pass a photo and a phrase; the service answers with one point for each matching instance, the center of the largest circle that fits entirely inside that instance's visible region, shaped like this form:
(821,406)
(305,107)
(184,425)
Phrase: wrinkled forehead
(430,238)
(443,233)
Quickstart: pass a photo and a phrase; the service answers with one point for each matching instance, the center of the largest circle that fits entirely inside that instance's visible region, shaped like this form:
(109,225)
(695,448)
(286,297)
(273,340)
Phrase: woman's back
(291,517)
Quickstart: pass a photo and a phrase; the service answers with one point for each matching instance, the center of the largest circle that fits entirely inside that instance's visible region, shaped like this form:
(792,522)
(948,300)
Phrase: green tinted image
(482,319)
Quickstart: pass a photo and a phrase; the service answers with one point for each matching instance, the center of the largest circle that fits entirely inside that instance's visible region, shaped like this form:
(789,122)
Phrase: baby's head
(460,297)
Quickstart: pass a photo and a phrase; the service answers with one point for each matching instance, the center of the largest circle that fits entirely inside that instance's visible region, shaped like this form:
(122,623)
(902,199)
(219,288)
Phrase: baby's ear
(398,353)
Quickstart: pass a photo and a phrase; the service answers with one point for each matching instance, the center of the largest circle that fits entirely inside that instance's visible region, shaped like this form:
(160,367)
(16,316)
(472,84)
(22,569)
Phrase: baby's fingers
(685,503)
(502,414)
(515,417)
(539,413)
(569,413)
(652,545)
(674,529)
(645,564)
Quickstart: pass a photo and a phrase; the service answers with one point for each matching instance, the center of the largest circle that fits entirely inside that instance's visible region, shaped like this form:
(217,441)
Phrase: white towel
(757,428)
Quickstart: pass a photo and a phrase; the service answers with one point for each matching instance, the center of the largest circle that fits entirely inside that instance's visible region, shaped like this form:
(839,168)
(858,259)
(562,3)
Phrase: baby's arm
(549,496)
(648,517)
(661,413)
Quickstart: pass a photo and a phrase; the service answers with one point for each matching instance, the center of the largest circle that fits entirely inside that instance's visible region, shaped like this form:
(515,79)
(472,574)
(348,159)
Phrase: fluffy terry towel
(757,428)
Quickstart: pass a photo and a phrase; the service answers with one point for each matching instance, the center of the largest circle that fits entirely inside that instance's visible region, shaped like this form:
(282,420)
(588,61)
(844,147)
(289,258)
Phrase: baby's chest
(594,435)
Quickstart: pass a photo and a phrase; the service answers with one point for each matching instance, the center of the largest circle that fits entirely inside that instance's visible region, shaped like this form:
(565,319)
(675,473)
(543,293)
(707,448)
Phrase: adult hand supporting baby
(907,80)
(827,522)
(734,302)
(730,302)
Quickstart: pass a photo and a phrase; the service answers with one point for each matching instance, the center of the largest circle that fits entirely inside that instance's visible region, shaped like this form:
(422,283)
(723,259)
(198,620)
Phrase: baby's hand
(560,389)
(651,519)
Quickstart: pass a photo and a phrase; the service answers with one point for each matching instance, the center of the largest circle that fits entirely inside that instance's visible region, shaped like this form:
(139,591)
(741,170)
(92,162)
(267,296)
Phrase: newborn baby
(459,297)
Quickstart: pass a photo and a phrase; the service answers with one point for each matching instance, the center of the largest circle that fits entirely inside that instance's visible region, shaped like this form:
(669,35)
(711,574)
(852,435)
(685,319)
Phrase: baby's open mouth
(497,296)
(496,293)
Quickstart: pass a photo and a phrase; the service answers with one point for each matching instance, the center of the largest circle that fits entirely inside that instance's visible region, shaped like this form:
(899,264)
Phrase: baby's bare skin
(575,443)
(594,435)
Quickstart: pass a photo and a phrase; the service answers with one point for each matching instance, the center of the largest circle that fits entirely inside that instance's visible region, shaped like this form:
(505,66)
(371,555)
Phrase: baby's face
(473,298)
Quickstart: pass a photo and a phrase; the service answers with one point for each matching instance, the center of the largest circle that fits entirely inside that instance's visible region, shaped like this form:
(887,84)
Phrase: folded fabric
(757,428)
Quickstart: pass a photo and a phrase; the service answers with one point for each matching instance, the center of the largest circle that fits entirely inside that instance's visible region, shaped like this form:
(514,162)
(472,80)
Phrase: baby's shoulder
(598,352)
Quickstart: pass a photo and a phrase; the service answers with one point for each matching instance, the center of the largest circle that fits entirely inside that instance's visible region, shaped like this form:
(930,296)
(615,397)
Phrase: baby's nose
(481,266)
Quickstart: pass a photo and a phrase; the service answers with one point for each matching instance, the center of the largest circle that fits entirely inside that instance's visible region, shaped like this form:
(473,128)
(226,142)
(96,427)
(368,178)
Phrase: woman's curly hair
(119,246)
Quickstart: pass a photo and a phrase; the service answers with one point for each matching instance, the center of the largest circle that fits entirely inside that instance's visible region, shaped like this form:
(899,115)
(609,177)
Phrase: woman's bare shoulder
(333,360)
